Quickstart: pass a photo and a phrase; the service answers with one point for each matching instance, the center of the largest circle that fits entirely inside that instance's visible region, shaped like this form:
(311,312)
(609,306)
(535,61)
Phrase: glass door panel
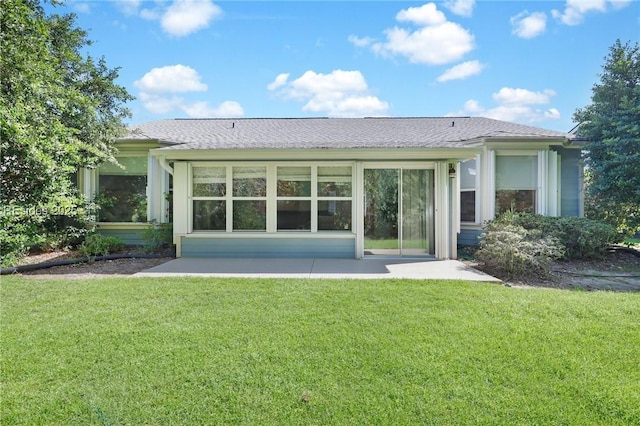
(381,212)
(416,214)
(399,212)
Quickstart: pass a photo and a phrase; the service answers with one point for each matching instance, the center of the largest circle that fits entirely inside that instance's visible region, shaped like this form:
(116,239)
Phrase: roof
(332,133)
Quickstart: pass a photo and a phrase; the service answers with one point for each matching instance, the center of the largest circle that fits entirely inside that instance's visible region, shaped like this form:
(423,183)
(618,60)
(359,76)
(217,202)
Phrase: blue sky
(532,62)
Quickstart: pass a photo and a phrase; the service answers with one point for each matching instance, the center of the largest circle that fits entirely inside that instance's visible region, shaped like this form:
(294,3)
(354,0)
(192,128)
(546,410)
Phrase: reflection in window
(468,183)
(294,215)
(334,198)
(122,192)
(209,215)
(209,181)
(298,206)
(294,181)
(334,181)
(249,181)
(249,215)
(467,206)
(334,215)
(516,183)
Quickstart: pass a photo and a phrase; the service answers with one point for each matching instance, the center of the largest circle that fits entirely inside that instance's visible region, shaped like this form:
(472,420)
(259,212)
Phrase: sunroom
(293,208)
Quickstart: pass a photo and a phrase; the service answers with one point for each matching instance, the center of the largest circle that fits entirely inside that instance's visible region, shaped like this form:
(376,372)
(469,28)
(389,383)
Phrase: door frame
(360,203)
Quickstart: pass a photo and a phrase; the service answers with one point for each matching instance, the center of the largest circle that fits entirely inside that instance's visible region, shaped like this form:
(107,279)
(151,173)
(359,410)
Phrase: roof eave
(356,154)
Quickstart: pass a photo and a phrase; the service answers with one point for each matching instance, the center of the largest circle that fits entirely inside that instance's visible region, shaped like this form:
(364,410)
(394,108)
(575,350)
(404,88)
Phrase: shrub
(513,250)
(20,229)
(157,236)
(100,245)
(25,228)
(581,238)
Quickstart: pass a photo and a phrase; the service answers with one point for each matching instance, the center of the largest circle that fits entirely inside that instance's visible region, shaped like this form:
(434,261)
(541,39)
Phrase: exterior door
(398,212)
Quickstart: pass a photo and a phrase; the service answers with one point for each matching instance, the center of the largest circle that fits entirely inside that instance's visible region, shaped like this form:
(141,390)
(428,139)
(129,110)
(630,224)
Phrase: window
(334,198)
(516,183)
(274,198)
(209,192)
(468,184)
(122,192)
(249,198)
(294,198)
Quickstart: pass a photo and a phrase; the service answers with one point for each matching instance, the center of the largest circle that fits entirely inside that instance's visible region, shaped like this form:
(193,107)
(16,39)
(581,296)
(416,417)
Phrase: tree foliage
(59,109)
(611,125)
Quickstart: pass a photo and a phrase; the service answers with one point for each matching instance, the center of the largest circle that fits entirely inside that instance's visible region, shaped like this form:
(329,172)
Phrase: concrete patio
(374,268)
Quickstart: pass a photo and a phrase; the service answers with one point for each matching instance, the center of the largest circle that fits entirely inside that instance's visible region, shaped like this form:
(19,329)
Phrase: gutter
(162,160)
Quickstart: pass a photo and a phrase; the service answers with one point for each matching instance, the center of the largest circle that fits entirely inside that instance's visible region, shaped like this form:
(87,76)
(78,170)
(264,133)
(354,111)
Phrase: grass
(631,241)
(315,352)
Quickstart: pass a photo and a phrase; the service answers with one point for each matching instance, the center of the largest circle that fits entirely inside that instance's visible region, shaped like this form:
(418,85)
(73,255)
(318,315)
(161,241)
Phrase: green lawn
(632,241)
(315,352)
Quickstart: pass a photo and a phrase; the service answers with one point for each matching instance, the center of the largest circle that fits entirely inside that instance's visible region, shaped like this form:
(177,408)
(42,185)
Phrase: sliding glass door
(398,212)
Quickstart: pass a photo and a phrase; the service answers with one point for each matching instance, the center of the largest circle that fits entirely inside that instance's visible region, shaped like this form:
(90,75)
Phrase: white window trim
(477,189)
(271,197)
(547,185)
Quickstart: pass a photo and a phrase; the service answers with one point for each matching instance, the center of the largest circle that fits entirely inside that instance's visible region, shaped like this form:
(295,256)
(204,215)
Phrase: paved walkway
(319,268)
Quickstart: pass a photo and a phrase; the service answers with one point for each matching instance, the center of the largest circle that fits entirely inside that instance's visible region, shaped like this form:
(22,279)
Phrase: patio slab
(377,268)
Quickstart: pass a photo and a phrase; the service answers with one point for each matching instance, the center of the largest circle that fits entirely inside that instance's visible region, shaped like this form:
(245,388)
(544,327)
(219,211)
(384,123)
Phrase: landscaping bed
(617,270)
(102,268)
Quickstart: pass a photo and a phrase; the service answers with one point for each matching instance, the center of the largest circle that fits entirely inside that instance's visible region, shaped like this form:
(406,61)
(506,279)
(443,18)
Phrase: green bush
(513,251)
(100,245)
(157,236)
(18,233)
(25,228)
(581,238)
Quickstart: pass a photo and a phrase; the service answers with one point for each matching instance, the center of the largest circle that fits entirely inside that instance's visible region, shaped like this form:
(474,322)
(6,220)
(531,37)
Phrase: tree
(59,110)
(611,126)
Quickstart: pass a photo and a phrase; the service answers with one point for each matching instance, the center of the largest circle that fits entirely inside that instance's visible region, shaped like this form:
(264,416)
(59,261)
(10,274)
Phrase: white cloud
(575,10)
(203,110)
(158,89)
(424,15)
(179,18)
(128,7)
(150,14)
(338,94)
(526,25)
(472,107)
(461,71)
(280,81)
(437,41)
(510,96)
(335,84)
(158,104)
(516,105)
(80,7)
(360,41)
(460,7)
(184,17)
(171,79)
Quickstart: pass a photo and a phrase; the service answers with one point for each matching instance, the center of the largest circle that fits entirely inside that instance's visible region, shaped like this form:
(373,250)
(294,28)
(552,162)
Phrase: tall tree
(59,109)
(611,125)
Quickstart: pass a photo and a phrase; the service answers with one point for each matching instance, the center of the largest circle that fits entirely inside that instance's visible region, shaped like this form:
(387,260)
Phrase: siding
(131,237)
(469,237)
(268,247)
(570,181)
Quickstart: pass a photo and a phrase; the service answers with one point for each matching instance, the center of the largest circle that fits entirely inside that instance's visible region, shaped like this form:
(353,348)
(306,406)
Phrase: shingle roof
(328,133)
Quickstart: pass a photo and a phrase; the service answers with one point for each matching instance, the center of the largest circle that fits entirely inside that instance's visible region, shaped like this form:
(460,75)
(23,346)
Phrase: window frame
(96,189)
(475,189)
(271,199)
(537,188)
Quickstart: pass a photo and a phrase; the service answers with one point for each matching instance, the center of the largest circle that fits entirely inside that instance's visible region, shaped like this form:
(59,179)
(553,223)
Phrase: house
(332,187)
